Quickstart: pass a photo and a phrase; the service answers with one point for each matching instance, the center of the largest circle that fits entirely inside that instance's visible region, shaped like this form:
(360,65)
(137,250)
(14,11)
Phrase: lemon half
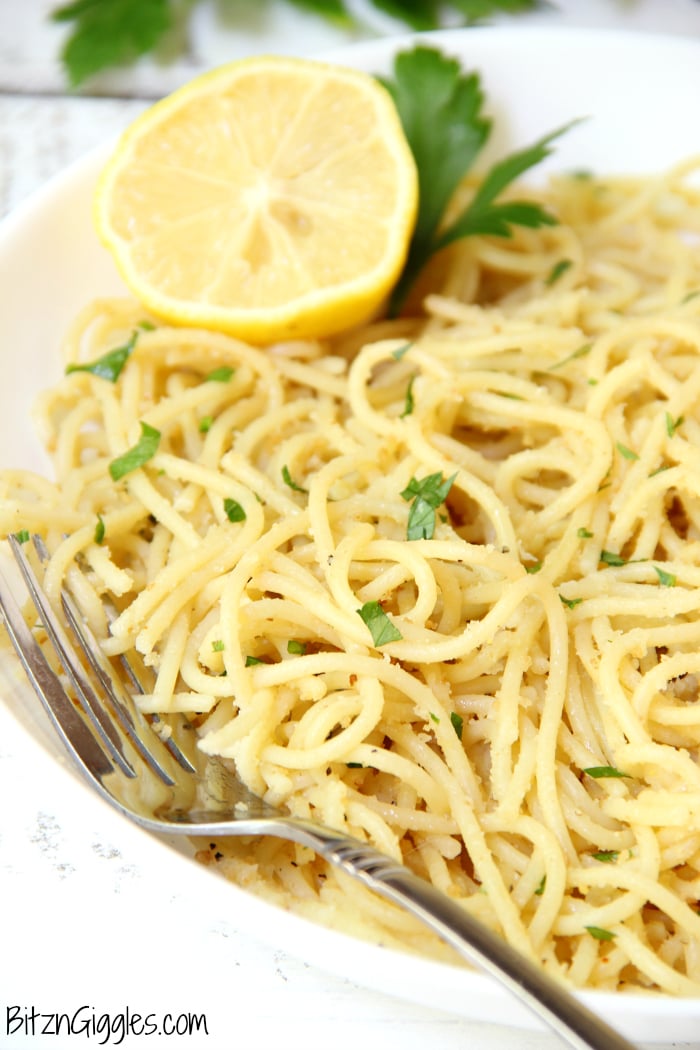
(271,198)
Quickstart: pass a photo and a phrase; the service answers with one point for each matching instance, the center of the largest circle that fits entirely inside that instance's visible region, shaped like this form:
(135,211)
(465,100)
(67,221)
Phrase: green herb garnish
(99,530)
(672,424)
(426,496)
(217,646)
(110,365)
(288,480)
(440,107)
(666,579)
(570,603)
(600,934)
(220,375)
(234,511)
(409,403)
(582,351)
(138,455)
(22,536)
(584,534)
(296,648)
(606,856)
(205,423)
(557,271)
(627,453)
(380,626)
(610,558)
(457,723)
(540,889)
(599,772)
(401,351)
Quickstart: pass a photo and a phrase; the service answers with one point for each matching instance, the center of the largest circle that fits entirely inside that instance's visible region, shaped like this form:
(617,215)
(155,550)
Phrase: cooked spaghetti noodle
(515,711)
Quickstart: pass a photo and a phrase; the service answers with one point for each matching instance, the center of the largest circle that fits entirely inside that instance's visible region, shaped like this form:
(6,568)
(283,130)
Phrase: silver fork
(118,751)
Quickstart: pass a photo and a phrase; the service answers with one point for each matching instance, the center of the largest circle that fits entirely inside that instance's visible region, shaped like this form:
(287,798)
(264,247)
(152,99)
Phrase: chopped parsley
(288,480)
(295,647)
(205,423)
(217,645)
(401,350)
(581,352)
(557,271)
(220,375)
(570,603)
(380,626)
(22,536)
(409,403)
(138,455)
(672,424)
(110,365)
(627,453)
(606,856)
(666,579)
(457,723)
(426,496)
(599,772)
(610,558)
(234,511)
(584,534)
(541,887)
(99,530)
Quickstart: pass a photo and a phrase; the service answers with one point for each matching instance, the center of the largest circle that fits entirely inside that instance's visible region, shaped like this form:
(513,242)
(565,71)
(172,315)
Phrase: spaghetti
(507,491)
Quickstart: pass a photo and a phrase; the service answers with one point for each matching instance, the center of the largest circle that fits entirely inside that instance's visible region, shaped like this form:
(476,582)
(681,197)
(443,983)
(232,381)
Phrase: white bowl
(640,95)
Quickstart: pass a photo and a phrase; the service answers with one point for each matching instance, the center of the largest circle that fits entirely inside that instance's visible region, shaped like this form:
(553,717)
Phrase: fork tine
(121,702)
(87,696)
(122,707)
(67,721)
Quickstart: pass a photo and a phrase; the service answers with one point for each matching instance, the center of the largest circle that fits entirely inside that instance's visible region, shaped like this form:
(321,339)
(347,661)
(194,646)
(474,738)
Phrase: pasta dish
(435,582)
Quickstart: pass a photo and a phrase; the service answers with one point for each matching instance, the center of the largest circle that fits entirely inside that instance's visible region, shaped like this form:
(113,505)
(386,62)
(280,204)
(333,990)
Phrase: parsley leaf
(672,424)
(381,627)
(99,530)
(557,271)
(220,375)
(110,32)
(457,723)
(427,495)
(288,480)
(611,558)
(626,452)
(409,403)
(606,856)
(135,457)
(234,511)
(666,579)
(110,365)
(598,772)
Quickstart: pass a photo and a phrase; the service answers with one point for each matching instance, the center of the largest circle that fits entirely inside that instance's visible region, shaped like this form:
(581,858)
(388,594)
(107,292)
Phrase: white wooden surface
(64,887)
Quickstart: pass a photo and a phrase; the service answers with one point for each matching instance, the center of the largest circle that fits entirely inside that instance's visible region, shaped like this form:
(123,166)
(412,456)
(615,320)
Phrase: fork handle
(468,935)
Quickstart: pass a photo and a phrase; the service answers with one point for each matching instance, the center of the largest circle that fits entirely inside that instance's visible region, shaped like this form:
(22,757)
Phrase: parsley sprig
(108,33)
(440,107)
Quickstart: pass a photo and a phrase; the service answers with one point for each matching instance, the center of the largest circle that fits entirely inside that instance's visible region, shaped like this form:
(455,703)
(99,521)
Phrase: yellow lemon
(272,198)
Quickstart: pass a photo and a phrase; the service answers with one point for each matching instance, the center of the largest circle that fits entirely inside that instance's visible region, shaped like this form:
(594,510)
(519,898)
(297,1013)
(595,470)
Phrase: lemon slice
(271,198)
